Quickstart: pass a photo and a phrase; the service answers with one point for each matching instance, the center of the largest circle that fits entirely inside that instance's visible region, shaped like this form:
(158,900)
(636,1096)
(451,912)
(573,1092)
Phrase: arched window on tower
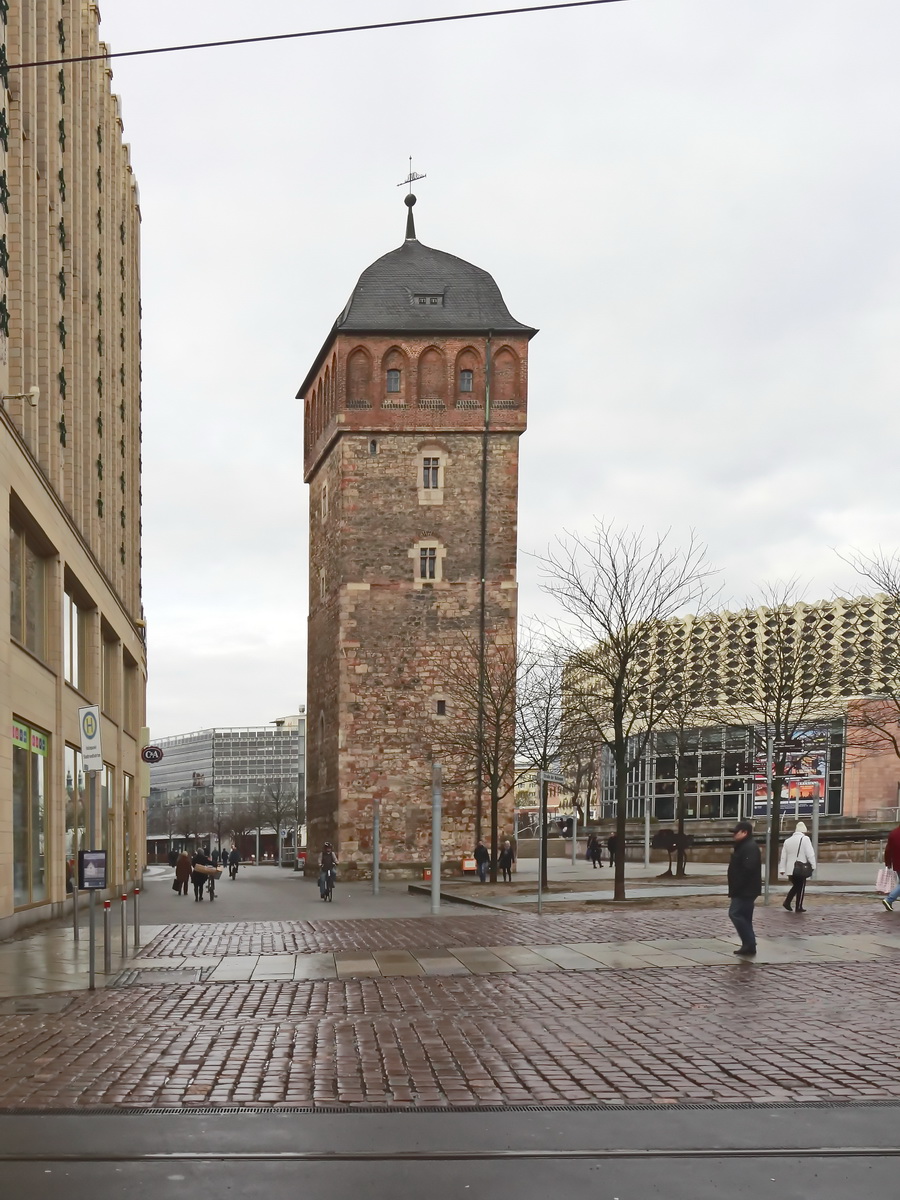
(394,366)
(469,381)
(327,391)
(359,379)
(505,382)
(432,379)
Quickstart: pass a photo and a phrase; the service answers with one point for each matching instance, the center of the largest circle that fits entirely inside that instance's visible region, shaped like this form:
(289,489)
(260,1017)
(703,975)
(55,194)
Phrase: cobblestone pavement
(657,1034)
(422,933)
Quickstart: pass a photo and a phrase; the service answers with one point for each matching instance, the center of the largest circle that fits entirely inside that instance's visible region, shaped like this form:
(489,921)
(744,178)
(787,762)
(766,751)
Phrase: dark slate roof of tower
(415,289)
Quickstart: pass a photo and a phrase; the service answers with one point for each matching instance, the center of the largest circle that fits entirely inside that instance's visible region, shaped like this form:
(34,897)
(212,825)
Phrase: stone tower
(423,371)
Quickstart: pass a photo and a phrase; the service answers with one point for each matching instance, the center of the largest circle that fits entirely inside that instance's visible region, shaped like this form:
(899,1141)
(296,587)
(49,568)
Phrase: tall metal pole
(92,908)
(436,837)
(542,834)
(376,847)
(770,757)
(482,593)
(574,835)
(646,831)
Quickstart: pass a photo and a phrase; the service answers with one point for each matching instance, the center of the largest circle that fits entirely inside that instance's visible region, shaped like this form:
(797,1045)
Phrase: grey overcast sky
(695,200)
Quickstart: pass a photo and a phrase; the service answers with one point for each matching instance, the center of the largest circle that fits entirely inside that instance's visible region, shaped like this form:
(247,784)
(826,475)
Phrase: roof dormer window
(430,299)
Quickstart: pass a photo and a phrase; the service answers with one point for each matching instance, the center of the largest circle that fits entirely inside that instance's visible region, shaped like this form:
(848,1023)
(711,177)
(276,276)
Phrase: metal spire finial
(409,200)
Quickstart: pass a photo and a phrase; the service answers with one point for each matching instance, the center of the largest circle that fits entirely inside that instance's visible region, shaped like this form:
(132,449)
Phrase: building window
(373,447)
(76,813)
(324,501)
(427,562)
(75,642)
(322,584)
(27,593)
(466,381)
(393,381)
(109,648)
(130,678)
(30,785)
(431,470)
(442,708)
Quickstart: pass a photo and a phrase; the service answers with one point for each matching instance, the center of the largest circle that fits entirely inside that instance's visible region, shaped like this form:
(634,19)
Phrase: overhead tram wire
(310,33)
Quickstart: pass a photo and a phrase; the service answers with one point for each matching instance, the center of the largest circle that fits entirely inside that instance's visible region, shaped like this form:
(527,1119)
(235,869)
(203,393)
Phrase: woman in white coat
(797,849)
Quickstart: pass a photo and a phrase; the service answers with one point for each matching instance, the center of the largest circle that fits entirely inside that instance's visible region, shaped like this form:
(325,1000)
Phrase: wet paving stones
(484,1010)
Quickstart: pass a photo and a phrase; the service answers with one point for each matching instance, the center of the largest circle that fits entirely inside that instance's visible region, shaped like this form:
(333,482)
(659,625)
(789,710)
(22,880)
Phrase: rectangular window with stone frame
(431,472)
(428,562)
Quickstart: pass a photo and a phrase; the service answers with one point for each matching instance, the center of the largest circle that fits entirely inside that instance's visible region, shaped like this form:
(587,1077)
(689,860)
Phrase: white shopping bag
(886,881)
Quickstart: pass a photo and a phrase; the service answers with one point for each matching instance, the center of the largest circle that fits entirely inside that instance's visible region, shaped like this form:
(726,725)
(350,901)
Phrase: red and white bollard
(107,940)
(137,919)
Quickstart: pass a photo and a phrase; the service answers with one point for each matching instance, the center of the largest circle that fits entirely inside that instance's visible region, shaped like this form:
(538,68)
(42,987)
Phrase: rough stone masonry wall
(378,637)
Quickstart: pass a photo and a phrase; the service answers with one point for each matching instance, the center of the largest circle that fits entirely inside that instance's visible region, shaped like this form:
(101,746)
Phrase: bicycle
(211,887)
(327,890)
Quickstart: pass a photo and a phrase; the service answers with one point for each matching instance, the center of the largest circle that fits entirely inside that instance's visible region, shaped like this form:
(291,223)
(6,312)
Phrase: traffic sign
(152,754)
(89,724)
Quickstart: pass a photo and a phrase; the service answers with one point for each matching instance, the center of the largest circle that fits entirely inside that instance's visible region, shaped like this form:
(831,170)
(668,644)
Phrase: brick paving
(566,1033)
(422,933)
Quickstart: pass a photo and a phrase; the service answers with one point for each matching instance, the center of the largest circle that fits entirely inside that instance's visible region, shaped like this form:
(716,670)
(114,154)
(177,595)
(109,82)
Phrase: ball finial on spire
(409,201)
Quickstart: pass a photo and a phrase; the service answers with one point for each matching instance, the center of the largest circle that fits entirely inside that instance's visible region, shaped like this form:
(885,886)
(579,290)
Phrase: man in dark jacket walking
(744,885)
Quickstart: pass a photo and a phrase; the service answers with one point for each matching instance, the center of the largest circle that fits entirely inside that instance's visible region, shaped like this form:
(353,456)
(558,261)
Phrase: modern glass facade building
(230,766)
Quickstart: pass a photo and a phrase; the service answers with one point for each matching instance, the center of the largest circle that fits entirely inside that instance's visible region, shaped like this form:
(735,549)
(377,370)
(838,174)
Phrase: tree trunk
(495,817)
(681,869)
(621,757)
(775,824)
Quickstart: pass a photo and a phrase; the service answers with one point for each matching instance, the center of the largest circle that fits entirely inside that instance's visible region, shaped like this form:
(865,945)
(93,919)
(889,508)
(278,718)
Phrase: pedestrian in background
(594,851)
(798,861)
(199,878)
(182,873)
(892,861)
(482,861)
(505,861)
(744,885)
(612,844)
(215,858)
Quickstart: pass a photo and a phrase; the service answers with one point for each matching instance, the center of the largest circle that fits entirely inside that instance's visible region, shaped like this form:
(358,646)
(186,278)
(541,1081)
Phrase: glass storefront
(76,812)
(29,789)
(722,773)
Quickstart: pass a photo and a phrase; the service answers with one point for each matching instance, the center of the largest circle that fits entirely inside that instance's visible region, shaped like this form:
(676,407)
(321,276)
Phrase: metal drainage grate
(22,1005)
(151,977)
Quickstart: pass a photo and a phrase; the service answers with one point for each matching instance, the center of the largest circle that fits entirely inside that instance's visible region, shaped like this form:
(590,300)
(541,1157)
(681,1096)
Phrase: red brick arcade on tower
(394,420)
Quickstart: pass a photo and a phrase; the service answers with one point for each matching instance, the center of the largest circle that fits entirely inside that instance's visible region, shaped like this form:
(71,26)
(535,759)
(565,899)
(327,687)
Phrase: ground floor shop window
(76,812)
(29,791)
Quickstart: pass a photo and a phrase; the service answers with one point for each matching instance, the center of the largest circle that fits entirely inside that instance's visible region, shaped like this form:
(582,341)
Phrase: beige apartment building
(70,559)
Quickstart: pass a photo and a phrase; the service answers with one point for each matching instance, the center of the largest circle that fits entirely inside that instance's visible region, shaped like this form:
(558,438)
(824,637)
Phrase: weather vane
(411,178)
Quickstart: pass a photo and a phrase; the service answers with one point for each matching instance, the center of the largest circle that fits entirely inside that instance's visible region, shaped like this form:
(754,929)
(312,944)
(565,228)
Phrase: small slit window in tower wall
(373,447)
(466,381)
(393,381)
(442,708)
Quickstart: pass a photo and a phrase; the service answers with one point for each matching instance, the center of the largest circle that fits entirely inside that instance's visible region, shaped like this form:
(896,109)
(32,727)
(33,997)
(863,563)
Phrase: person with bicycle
(327,874)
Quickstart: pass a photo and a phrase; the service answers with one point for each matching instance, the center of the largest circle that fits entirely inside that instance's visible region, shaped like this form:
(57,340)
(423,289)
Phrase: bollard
(76,930)
(107,940)
(123,915)
(137,919)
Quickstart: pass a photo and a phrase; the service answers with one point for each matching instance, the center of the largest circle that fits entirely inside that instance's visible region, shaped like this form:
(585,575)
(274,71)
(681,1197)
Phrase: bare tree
(787,685)
(540,725)
(618,589)
(873,722)
(464,742)
(281,807)
(240,822)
